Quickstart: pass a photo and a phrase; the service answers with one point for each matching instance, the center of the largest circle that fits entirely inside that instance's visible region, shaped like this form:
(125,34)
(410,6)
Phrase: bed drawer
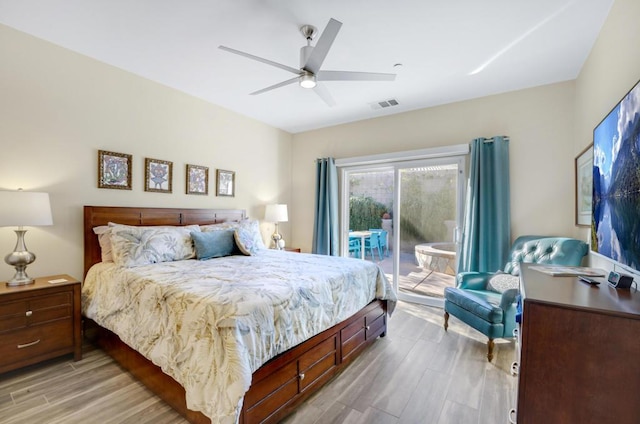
(270,394)
(318,363)
(37,343)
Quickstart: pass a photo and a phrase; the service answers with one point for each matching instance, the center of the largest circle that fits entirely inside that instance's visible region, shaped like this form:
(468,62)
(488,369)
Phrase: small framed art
(114,170)
(197,179)
(158,175)
(225,183)
(584,186)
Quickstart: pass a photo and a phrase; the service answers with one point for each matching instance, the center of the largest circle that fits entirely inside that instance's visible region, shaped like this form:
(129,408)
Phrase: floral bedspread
(211,324)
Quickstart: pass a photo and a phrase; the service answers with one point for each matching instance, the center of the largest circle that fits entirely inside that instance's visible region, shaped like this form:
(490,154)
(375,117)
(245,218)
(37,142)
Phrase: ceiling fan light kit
(307,80)
(311,59)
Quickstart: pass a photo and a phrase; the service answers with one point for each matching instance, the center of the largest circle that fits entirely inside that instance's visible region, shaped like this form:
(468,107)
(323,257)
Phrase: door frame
(396,161)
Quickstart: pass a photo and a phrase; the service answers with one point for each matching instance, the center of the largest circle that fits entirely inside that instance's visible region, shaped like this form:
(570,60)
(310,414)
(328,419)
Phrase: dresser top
(571,292)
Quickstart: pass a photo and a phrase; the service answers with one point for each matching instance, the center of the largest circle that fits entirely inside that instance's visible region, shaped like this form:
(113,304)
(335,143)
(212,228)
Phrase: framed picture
(158,175)
(197,179)
(584,186)
(225,183)
(114,170)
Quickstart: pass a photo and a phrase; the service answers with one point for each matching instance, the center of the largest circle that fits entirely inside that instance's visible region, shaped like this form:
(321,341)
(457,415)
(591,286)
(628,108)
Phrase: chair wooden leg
(446,321)
(490,345)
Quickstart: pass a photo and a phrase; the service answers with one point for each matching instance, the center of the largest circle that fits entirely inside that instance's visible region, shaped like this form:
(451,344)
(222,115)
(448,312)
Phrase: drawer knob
(29,313)
(22,346)
(301,376)
(367,328)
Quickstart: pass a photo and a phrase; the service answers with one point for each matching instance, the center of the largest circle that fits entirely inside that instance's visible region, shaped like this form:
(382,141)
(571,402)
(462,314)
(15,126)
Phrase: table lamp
(276,214)
(18,209)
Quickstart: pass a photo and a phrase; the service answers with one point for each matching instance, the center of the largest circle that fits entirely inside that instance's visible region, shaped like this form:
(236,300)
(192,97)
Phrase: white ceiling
(451,50)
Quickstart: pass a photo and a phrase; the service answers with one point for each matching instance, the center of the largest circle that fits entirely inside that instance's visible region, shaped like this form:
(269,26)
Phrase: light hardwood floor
(416,374)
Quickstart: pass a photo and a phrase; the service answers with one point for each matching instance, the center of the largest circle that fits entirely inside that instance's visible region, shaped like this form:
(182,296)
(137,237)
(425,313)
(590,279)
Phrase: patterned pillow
(220,226)
(248,238)
(136,246)
(502,282)
(214,244)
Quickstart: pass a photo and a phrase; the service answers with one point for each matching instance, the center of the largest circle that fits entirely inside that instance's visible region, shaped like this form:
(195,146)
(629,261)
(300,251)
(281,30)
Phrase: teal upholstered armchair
(487,301)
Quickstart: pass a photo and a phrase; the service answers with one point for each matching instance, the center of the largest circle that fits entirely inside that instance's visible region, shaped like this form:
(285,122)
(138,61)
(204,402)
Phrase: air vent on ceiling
(384,104)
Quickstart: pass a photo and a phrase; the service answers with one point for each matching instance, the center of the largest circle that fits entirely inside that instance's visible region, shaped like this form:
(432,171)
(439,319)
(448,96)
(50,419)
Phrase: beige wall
(611,70)
(548,127)
(58,108)
(539,122)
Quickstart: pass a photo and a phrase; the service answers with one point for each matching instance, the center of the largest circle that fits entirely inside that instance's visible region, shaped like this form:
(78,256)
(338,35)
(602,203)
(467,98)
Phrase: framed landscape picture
(225,183)
(584,186)
(114,170)
(197,179)
(158,175)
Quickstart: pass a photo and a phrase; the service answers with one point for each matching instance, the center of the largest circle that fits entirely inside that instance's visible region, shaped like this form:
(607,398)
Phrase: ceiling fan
(311,59)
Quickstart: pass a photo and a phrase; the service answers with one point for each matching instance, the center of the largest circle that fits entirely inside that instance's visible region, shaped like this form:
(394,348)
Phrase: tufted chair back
(545,250)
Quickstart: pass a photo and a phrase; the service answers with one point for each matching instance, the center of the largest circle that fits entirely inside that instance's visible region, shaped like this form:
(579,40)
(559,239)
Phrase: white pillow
(104,239)
(502,282)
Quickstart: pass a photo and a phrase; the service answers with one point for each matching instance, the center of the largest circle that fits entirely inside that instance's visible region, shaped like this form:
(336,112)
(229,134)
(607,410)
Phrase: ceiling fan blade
(260,59)
(324,94)
(278,85)
(314,62)
(353,76)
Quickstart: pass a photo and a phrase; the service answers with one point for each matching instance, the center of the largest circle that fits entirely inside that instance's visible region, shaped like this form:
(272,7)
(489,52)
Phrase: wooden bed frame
(277,387)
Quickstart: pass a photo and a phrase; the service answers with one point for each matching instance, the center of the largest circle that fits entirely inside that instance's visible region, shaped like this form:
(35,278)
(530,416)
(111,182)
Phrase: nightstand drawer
(35,341)
(39,310)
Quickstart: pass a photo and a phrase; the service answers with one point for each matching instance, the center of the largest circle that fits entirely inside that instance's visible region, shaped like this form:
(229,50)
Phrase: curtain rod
(490,140)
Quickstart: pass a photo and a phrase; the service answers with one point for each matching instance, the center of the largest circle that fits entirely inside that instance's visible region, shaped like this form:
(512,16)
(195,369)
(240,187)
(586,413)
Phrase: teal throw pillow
(214,244)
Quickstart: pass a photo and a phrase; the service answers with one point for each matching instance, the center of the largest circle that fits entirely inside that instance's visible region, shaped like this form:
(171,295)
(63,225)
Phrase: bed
(285,365)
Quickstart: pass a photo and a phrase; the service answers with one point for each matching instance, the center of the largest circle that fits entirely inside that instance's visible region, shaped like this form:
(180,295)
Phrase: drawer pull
(22,346)
(29,313)
(301,376)
(512,416)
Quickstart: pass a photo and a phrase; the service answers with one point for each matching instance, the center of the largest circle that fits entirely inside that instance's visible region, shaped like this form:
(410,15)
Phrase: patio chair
(373,242)
(382,240)
(486,301)
(354,246)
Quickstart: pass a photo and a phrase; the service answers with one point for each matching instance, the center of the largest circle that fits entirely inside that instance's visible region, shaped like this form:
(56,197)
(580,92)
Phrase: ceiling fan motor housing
(305,52)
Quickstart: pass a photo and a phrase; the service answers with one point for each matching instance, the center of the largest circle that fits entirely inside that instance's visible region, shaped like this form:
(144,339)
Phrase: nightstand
(39,321)
(292,249)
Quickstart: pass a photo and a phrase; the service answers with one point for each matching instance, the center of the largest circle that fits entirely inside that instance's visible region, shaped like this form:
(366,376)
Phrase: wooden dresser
(39,321)
(580,352)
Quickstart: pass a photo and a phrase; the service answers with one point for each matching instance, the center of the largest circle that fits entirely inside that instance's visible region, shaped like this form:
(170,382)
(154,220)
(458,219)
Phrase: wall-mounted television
(615,222)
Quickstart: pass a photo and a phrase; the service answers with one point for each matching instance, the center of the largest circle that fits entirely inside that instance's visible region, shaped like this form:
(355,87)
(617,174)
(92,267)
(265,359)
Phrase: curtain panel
(486,237)
(325,227)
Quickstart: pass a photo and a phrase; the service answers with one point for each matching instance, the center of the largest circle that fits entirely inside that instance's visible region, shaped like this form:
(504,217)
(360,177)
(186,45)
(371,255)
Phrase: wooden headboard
(102,215)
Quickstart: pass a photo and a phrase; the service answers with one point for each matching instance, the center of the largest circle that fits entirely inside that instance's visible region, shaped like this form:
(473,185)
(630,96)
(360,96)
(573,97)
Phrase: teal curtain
(486,237)
(325,227)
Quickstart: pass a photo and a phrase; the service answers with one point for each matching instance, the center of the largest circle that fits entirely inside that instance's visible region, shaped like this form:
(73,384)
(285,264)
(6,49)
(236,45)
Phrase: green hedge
(365,213)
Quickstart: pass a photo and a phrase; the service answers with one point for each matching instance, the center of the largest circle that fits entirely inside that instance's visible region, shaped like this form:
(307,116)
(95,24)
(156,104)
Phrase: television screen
(615,226)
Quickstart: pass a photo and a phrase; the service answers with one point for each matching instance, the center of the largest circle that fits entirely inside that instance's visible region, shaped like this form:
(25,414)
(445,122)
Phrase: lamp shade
(276,213)
(24,208)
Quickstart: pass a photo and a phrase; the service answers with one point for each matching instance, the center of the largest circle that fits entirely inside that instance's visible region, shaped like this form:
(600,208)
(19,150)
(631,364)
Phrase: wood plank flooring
(417,374)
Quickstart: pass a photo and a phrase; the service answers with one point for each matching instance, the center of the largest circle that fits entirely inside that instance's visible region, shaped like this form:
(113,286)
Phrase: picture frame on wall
(158,175)
(114,170)
(584,186)
(225,183)
(197,180)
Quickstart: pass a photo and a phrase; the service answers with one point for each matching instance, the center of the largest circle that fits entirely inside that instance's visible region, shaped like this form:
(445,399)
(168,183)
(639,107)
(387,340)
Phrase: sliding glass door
(404,216)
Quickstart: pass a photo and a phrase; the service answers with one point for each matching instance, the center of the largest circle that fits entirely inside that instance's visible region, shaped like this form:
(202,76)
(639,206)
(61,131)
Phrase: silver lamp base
(276,241)
(19,259)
